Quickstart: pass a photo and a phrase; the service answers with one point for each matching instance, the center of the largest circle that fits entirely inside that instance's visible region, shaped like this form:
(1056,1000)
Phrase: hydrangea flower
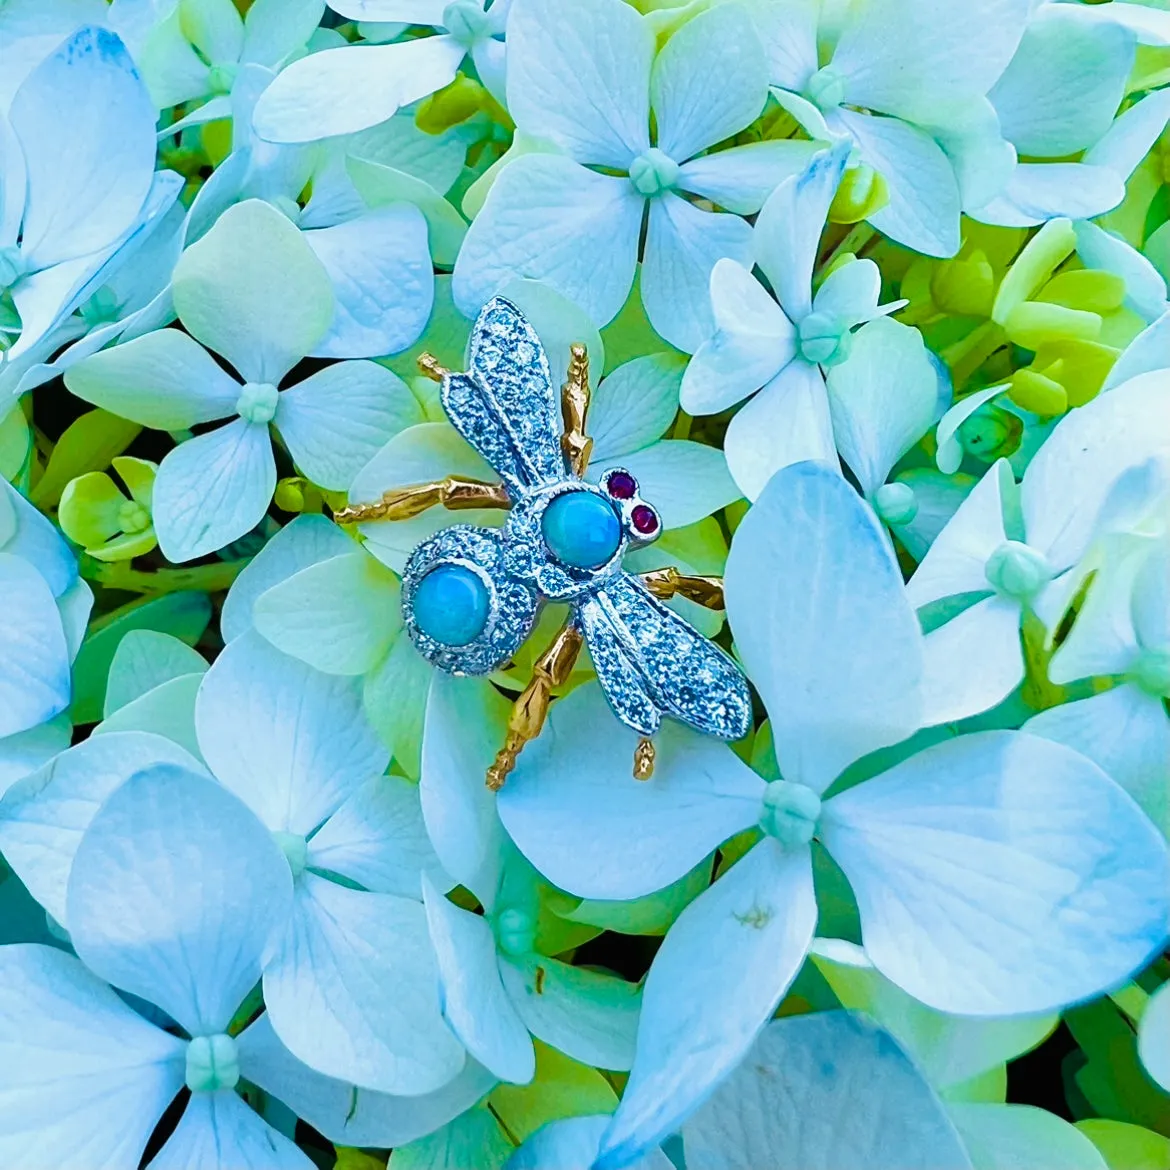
(573,219)
(906,84)
(839,667)
(175,896)
(78,149)
(798,349)
(339,91)
(1011,550)
(98,515)
(271,312)
(351,985)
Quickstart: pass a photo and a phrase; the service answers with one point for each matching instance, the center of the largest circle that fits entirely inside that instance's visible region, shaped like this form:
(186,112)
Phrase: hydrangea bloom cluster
(862,313)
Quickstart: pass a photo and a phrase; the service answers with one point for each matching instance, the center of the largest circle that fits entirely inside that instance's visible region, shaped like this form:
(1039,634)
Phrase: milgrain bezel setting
(513,605)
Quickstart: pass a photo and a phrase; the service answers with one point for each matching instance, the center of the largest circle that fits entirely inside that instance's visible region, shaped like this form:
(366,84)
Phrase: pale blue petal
(471,990)
(547,218)
(176,894)
(824,1090)
(98,1107)
(213,489)
(723,968)
(291,742)
(352,991)
(821,621)
(575,812)
(1000,873)
(580,77)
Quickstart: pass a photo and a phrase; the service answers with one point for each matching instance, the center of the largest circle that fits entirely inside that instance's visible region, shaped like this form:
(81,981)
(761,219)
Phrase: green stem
(855,239)
(202,578)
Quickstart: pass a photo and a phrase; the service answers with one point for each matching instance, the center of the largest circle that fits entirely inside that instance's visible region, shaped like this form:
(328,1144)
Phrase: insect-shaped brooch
(471,595)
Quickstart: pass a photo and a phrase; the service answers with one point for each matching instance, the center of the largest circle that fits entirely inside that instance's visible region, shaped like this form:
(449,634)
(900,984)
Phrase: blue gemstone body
(451,605)
(581,530)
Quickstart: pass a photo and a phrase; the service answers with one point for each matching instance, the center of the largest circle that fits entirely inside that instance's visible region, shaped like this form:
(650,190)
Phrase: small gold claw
(644,759)
(429,367)
(575,443)
(403,503)
(669,582)
(551,669)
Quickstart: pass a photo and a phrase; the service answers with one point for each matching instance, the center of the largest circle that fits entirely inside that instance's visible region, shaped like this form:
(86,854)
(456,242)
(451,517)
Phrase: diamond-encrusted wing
(505,406)
(651,662)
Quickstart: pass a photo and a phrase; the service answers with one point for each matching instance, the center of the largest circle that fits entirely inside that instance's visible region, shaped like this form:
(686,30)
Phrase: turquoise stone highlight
(581,530)
(451,605)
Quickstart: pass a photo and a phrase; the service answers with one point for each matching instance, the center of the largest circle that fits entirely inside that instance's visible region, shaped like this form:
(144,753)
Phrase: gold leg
(403,503)
(551,669)
(428,366)
(669,582)
(644,759)
(575,443)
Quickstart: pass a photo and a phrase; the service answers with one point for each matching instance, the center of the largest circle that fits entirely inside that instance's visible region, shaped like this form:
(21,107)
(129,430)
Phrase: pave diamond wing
(506,405)
(651,662)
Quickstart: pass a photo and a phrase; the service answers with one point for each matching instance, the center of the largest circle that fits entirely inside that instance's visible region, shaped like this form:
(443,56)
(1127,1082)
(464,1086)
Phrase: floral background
(874,294)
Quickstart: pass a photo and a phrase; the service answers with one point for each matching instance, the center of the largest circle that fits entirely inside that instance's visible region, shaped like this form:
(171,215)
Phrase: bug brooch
(471,595)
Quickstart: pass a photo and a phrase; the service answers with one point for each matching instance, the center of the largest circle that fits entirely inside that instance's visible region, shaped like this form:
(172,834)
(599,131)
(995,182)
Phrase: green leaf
(88,444)
(561,1088)
(15,443)
(1127,1147)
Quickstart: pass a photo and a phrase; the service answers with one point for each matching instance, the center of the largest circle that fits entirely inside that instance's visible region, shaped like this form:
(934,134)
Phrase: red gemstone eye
(645,519)
(621,485)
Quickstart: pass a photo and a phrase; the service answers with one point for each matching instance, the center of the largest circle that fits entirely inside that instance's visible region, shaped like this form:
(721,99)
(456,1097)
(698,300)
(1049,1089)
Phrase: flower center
(12,266)
(653,172)
(133,517)
(466,21)
(790,813)
(257,402)
(516,932)
(213,1063)
(1151,671)
(826,88)
(824,340)
(1018,571)
(895,503)
(295,849)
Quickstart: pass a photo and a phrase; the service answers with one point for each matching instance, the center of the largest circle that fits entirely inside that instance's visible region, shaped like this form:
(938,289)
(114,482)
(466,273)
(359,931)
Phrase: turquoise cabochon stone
(581,529)
(451,605)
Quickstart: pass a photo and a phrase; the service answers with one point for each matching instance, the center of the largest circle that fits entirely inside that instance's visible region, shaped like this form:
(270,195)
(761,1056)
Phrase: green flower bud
(515,931)
(895,503)
(1018,571)
(990,432)
(213,1063)
(653,172)
(790,813)
(862,193)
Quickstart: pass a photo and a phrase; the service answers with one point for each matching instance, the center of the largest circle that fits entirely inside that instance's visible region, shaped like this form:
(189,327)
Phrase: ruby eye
(644,519)
(621,485)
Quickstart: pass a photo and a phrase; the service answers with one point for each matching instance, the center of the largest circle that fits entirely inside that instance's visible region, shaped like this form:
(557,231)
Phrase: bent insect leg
(669,582)
(551,669)
(576,445)
(454,492)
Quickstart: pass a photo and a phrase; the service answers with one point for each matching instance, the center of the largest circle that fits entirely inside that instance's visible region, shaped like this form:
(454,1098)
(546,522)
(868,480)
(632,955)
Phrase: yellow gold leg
(575,443)
(669,582)
(403,503)
(428,366)
(551,669)
(644,759)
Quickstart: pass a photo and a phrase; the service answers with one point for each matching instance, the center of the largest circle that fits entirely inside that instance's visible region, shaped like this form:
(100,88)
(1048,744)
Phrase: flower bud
(213,1063)
(1018,571)
(790,813)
